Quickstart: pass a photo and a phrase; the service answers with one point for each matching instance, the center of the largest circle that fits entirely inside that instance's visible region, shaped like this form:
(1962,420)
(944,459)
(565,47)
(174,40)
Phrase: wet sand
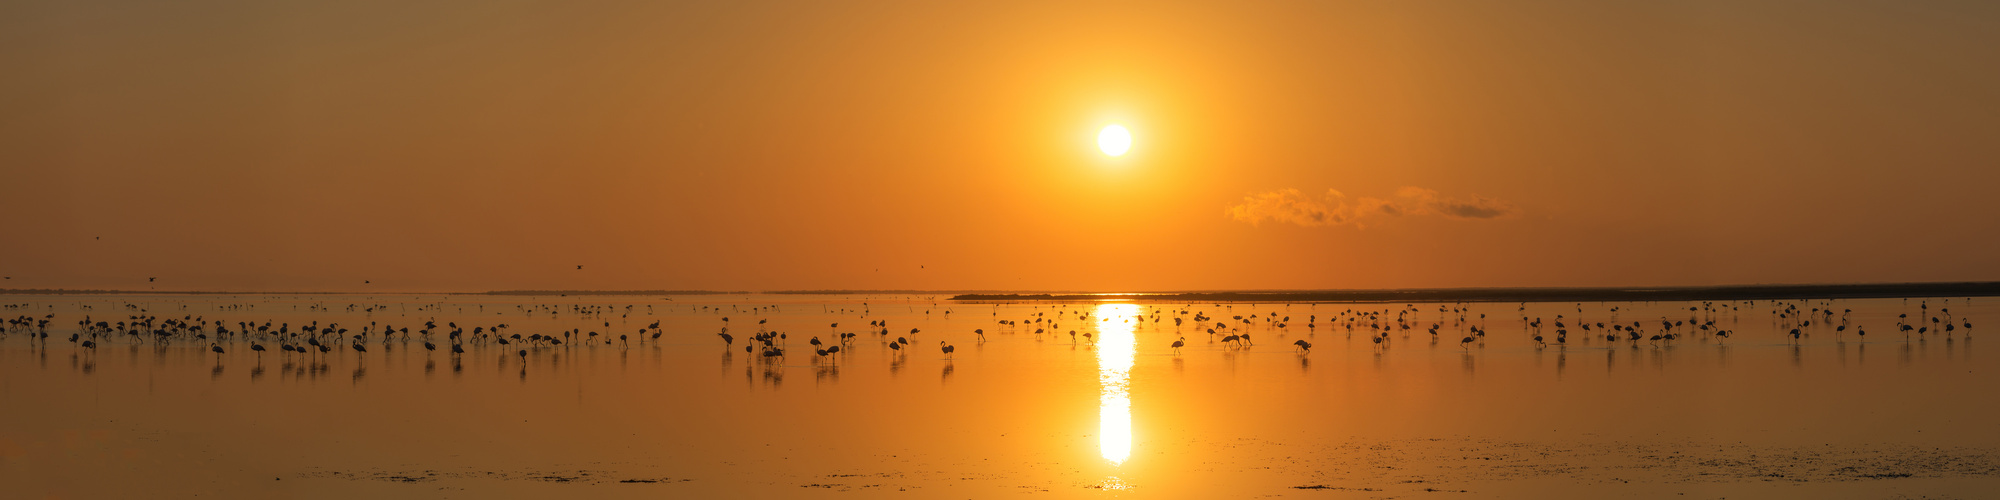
(1833,415)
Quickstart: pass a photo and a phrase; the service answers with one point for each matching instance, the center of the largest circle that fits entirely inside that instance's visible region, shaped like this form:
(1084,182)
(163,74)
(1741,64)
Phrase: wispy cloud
(1333,208)
(1427,202)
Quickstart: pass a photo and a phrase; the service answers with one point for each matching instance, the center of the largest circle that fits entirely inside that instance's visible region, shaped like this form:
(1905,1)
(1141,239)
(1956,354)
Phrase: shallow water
(1117,414)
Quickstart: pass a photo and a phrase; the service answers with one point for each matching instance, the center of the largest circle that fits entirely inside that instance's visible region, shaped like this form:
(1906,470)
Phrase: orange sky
(438,146)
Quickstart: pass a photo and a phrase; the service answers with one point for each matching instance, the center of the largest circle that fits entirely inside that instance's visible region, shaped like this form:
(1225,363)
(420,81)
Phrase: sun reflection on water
(1115,349)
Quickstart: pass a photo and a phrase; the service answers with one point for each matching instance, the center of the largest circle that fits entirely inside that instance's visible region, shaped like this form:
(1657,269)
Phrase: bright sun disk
(1114,140)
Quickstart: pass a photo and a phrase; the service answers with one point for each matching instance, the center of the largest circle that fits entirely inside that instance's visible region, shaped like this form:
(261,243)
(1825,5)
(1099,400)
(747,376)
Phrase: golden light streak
(1115,348)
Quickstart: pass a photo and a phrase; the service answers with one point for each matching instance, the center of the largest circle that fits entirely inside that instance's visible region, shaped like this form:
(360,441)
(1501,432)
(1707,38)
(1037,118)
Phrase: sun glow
(1115,349)
(1114,140)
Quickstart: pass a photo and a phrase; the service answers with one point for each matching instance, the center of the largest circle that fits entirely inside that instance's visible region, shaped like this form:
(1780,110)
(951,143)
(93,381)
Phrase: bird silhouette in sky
(579,267)
(150,280)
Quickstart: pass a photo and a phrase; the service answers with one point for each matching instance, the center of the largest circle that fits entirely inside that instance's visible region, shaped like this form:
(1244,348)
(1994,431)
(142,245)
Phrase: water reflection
(1116,346)
(1026,392)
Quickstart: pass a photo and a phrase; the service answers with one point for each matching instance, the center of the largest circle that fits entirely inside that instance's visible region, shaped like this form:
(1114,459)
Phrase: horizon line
(1983,288)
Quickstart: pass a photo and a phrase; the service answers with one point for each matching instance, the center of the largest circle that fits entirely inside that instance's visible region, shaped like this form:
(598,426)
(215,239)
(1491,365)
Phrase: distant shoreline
(1573,294)
(608,292)
(20,291)
(1540,294)
(64,291)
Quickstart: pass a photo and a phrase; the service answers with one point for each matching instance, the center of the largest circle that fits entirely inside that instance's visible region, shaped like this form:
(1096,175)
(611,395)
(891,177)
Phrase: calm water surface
(1112,412)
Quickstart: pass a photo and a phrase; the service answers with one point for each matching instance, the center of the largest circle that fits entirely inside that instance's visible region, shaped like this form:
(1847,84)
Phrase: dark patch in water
(1884,475)
(1325,487)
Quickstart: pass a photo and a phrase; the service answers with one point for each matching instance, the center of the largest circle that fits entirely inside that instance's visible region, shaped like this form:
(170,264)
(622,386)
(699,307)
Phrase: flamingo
(947,348)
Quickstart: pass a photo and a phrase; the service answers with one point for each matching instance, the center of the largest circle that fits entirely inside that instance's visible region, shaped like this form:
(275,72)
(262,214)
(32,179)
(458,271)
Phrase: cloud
(1428,202)
(1290,205)
(1333,209)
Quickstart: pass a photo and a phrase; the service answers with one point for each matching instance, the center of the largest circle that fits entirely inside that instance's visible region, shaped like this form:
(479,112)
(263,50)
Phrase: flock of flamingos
(1383,327)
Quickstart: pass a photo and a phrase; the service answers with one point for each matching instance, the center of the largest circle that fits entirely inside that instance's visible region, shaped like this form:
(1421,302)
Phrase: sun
(1114,140)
